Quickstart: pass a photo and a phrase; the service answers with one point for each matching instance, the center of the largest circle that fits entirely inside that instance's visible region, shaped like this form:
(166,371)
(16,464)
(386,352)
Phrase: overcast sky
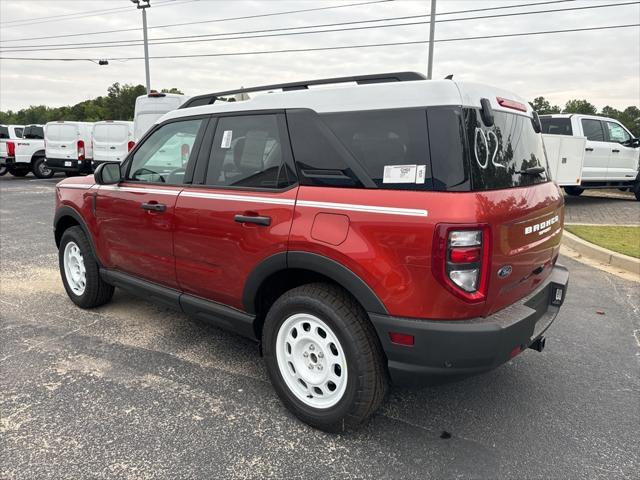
(601,66)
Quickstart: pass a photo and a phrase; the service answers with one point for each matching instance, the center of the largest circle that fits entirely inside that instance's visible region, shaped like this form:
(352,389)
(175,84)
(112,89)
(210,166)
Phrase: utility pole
(432,30)
(143,5)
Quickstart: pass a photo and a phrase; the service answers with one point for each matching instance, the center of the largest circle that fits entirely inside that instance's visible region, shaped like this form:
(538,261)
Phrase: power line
(340,47)
(279,13)
(77,15)
(158,41)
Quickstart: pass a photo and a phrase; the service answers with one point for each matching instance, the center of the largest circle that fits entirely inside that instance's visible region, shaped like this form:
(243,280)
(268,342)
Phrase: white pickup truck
(611,153)
(30,152)
(8,136)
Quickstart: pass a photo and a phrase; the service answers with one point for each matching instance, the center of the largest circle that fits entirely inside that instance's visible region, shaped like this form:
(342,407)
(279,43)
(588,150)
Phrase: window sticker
(227,136)
(399,174)
(420,173)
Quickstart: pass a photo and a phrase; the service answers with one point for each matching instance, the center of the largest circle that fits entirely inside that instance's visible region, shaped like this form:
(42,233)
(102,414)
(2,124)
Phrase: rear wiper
(532,171)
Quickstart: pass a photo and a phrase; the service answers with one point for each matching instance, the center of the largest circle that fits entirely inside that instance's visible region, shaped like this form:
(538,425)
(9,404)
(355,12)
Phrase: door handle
(266,221)
(588,149)
(154,207)
(615,150)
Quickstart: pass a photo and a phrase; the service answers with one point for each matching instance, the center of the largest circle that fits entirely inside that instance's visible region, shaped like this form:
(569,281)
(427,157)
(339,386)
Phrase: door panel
(623,162)
(138,241)
(214,252)
(597,150)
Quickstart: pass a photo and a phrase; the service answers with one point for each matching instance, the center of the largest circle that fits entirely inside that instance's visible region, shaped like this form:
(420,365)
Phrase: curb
(602,255)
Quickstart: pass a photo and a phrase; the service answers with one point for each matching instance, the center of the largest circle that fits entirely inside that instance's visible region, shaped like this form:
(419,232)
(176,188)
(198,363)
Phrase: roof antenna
(449,77)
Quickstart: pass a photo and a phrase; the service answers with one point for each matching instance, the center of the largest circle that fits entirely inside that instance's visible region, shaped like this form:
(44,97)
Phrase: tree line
(120,100)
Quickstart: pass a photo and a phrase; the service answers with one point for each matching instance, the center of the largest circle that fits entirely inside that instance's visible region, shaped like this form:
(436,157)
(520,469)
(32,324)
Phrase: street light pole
(432,30)
(143,5)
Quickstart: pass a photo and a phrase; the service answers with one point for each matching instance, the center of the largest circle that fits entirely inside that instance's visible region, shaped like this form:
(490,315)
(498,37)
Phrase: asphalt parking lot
(133,390)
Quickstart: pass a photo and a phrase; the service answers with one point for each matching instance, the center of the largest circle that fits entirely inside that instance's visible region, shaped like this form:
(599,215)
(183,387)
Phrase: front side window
(249,151)
(164,155)
(593,130)
(500,155)
(617,133)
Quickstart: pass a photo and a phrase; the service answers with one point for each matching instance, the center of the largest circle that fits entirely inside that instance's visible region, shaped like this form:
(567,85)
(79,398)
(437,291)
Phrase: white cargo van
(68,146)
(7,147)
(612,154)
(30,152)
(151,107)
(112,140)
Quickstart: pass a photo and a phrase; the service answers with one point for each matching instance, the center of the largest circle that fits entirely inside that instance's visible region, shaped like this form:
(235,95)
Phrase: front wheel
(80,271)
(40,168)
(324,357)
(574,191)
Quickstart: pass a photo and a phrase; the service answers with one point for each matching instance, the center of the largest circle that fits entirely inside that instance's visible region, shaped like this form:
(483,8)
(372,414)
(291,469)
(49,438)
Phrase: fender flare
(66,211)
(38,154)
(315,263)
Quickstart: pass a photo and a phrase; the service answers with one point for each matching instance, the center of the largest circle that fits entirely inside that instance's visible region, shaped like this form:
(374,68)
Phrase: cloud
(601,66)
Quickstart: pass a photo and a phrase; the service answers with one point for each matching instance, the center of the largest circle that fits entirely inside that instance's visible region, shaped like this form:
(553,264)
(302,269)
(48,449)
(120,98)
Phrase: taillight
(130,145)
(80,149)
(461,259)
(11,149)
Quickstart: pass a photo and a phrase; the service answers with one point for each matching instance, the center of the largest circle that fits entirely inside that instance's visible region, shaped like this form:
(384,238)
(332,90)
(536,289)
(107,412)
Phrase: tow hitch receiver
(538,345)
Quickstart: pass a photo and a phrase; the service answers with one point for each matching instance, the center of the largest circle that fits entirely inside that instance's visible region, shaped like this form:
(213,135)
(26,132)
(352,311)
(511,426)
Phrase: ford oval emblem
(505,271)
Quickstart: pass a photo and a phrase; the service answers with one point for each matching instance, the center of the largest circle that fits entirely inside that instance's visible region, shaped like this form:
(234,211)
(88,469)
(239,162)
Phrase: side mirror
(107,174)
(486,112)
(633,143)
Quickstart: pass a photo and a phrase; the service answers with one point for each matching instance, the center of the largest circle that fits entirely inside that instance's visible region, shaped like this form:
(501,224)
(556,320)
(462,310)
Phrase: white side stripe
(78,186)
(364,208)
(239,198)
(157,191)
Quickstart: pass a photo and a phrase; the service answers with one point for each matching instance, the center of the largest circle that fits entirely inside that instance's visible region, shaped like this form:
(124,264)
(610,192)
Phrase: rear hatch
(503,166)
(62,141)
(110,141)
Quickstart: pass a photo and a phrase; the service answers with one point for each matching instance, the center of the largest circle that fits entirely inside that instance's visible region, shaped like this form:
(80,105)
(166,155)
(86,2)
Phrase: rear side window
(4,132)
(18,132)
(33,133)
(249,151)
(447,144)
(593,130)
(499,155)
(391,145)
(556,126)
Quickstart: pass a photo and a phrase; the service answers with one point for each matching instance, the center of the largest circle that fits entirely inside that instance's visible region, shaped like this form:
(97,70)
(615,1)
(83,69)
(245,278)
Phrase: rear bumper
(464,347)
(7,161)
(60,165)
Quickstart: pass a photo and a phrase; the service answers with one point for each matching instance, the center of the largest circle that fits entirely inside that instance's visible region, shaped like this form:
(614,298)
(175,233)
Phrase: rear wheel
(324,358)
(3,171)
(40,168)
(19,172)
(80,272)
(574,191)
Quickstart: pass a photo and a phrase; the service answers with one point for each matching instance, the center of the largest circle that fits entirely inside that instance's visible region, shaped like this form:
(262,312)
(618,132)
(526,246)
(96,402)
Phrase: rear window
(499,155)
(60,132)
(391,145)
(4,132)
(556,126)
(33,133)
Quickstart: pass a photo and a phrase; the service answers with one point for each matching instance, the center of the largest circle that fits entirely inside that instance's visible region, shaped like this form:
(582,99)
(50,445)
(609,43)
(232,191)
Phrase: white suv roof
(371,96)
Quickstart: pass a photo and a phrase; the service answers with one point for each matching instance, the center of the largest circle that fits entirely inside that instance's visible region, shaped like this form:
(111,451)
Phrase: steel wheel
(43,170)
(311,361)
(74,269)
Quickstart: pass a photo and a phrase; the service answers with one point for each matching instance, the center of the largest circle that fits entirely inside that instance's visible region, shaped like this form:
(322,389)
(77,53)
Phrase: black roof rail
(209,98)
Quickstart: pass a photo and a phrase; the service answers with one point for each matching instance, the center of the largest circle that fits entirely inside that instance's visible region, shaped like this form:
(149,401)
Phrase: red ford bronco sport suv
(391,230)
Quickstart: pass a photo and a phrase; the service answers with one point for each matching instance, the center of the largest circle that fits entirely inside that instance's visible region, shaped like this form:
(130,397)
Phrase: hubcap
(44,170)
(74,270)
(311,361)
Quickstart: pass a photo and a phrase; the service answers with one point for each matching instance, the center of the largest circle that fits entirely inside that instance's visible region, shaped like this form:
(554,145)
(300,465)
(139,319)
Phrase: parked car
(29,153)
(8,135)
(397,228)
(68,147)
(112,140)
(612,156)
(151,107)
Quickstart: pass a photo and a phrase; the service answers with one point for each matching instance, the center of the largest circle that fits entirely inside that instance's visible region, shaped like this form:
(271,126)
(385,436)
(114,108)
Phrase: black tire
(574,191)
(19,172)
(96,292)
(367,377)
(40,169)
(71,174)
(3,170)
(636,190)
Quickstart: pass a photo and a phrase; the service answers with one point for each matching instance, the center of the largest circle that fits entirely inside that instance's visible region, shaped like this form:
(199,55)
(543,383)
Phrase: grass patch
(619,239)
